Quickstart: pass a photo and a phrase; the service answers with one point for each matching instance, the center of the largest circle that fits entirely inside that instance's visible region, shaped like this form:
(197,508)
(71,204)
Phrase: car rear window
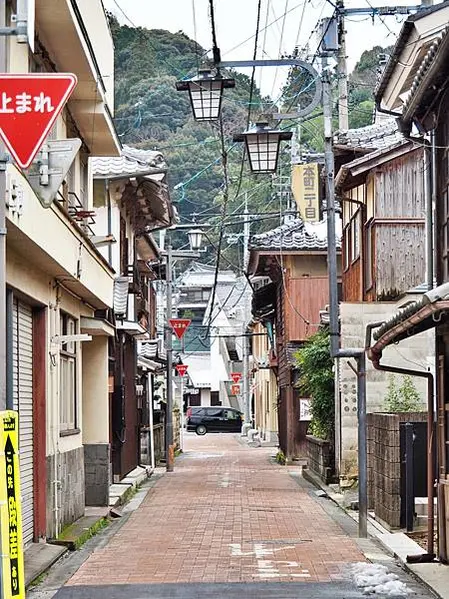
(213,411)
(197,411)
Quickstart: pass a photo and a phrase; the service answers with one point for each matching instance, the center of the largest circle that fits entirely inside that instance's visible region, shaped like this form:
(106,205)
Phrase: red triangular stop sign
(236,376)
(29,106)
(181,369)
(179,326)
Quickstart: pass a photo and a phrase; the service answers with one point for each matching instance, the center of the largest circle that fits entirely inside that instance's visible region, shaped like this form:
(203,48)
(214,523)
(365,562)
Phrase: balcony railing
(76,210)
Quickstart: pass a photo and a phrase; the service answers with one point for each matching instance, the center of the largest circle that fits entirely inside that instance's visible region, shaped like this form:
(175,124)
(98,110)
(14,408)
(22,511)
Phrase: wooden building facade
(383,208)
(293,258)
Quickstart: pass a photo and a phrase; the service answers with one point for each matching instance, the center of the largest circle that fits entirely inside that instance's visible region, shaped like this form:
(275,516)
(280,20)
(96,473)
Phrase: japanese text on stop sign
(23,103)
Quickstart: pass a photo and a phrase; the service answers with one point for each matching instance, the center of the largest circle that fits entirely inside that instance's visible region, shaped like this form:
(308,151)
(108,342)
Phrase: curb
(441,590)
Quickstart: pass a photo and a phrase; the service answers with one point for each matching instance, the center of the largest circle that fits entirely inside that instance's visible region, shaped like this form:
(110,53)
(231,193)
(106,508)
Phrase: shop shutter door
(23,402)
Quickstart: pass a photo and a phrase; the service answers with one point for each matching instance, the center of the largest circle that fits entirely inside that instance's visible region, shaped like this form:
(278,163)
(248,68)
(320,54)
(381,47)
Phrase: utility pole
(336,352)
(169,449)
(245,340)
(343,113)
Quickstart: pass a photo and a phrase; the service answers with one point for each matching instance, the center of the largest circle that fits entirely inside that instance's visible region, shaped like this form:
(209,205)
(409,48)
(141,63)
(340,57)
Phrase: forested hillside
(151,114)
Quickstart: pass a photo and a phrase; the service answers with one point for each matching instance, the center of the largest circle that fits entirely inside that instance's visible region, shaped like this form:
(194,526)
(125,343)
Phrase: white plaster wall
(95,391)
(415,352)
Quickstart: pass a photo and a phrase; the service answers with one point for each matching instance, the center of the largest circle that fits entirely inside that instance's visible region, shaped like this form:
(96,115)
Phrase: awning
(415,318)
(96,327)
(121,291)
(153,349)
(132,328)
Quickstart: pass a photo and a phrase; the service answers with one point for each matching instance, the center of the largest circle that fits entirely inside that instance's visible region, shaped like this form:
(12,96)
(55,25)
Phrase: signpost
(179,326)
(29,107)
(236,377)
(235,389)
(10,508)
(181,369)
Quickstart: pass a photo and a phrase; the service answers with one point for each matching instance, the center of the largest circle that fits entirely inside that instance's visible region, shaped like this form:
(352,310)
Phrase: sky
(236,22)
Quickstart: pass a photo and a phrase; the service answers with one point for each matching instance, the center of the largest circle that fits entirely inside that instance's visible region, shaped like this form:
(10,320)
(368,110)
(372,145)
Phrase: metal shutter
(23,402)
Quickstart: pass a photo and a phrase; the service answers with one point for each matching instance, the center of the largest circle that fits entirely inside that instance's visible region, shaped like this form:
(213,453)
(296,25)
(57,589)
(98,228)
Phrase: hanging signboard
(304,410)
(29,107)
(235,389)
(181,369)
(306,191)
(179,326)
(10,508)
(236,377)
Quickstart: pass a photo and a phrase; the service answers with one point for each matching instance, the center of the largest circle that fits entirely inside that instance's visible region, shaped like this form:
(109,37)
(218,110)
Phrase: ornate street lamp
(205,92)
(262,146)
(195,239)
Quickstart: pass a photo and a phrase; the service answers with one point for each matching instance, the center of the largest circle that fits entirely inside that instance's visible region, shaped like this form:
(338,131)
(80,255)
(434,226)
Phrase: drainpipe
(430,555)
(429,183)
(9,350)
(150,414)
(108,195)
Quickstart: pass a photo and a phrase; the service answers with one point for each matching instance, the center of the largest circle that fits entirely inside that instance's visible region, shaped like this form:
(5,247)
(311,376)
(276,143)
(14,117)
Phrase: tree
(404,398)
(316,380)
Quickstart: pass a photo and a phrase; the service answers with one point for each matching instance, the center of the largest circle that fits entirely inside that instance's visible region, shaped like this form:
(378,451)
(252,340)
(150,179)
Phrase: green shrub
(404,398)
(317,382)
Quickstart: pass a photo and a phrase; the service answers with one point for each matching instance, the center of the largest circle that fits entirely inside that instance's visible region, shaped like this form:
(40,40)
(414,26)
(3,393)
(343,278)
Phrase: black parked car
(204,420)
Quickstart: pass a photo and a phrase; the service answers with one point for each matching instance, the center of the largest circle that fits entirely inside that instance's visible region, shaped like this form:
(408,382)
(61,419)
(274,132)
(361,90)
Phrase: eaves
(362,166)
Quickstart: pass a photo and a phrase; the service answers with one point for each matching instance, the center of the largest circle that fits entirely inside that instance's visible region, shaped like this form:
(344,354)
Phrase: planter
(320,456)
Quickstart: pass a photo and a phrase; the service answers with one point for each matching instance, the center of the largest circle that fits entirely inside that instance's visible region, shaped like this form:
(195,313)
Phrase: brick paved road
(226,515)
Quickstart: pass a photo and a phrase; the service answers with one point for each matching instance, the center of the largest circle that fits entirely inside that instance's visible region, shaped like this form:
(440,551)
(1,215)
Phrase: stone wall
(384,464)
(71,491)
(414,352)
(97,459)
(320,459)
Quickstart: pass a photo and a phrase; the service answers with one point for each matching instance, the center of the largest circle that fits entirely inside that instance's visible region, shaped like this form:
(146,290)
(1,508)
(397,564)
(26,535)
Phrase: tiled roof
(296,235)
(418,83)
(132,162)
(372,137)
(401,43)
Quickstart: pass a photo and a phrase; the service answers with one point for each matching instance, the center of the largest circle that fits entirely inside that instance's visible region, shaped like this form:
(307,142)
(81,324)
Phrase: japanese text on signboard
(306,190)
(10,511)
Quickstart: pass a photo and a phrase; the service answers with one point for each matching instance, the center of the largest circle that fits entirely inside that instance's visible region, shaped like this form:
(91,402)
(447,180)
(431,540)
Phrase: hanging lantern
(262,146)
(206,92)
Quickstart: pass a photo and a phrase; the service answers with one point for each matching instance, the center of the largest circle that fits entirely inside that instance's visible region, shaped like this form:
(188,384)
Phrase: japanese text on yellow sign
(10,507)
(306,191)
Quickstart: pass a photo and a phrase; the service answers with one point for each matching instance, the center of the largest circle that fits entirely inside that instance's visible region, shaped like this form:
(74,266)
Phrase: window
(368,250)
(231,415)
(347,245)
(355,236)
(67,376)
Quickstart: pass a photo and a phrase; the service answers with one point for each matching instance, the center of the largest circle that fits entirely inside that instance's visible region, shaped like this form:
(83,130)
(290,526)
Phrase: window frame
(68,355)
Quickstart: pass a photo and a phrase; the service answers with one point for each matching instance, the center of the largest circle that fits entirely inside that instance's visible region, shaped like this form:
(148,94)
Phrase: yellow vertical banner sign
(306,190)
(13,579)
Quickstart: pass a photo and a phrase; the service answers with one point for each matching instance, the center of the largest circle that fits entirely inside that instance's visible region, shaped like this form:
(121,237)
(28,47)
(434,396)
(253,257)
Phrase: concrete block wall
(97,459)
(415,352)
(384,464)
(320,458)
(71,489)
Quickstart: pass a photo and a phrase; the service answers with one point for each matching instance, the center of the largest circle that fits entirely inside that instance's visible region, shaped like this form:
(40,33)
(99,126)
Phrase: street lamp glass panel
(263,151)
(262,146)
(205,96)
(205,93)
(195,239)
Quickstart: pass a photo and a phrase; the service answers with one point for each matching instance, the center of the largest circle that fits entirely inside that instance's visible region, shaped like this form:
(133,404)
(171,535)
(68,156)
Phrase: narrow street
(229,521)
